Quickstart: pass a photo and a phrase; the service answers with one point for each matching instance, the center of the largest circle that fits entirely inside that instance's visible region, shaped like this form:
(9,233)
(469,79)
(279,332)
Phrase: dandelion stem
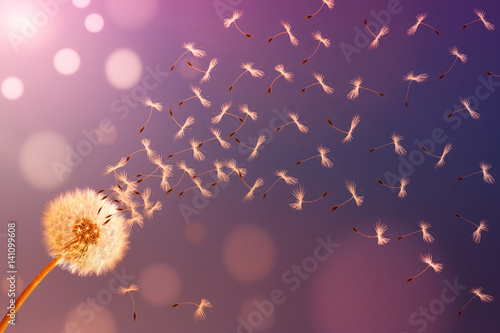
(460,312)
(311,15)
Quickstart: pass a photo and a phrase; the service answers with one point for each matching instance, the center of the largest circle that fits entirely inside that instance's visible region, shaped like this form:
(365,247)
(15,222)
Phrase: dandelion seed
(411,77)
(255,150)
(299,194)
(258,183)
(481,15)
(317,36)
(123,290)
(396,139)
(288,76)
(427,259)
(189,121)
(329,3)
(237,14)
(197,91)
(189,48)
(288,30)
(295,120)
(185,169)
(424,226)
(211,66)
(380,229)
(113,168)
(320,78)
(446,150)
(354,93)
(248,113)
(420,18)
(476,235)
(197,181)
(404,181)
(248,67)
(216,132)
(351,187)
(354,123)
(454,51)
(224,108)
(383,31)
(488,179)
(281,174)
(232,165)
(491,74)
(200,311)
(157,106)
(478,292)
(325,161)
(466,104)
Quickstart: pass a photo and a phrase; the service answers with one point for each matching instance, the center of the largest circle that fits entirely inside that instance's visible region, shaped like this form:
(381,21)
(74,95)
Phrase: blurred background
(73,75)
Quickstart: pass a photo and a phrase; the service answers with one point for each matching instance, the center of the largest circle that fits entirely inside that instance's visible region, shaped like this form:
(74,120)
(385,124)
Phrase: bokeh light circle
(159,285)
(123,69)
(81,3)
(102,321)
(195,232)
(249,253)
(131,13)
(43,160)
(94,22)
(12,88)
(67,61)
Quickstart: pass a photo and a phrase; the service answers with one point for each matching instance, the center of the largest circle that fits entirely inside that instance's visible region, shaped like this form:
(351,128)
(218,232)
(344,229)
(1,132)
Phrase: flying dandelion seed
(248,67)
(197,91)
(237,14)
(288,30)
(223,111)
(255,150)
(221,175)
(351,187)
(211,66)
(329,3)
(427,259)
(248,113)
(354,93)
(491,74)
(404,181)
(424,226)
(281,174)
(396,139)
(478,292)
(476,235)
(295,120)
(258,183)
(420,18)
(411,77)
(325,161)
(189,121)
(320,78)
(199,314)
(157,106)
(185,169)
(454,51)
(466,104)
(189,48)
(380,229)
(485,167)
(287,75)
(123,290)
(354,123)
(446,150)
(197,181)
(195,147)
(317,36)
(481,15)
(299,194)
(383,31)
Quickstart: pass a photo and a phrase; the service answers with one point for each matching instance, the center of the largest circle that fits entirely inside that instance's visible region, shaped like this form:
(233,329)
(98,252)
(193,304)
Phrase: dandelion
(123,290)
(427,259)
(317,36)
(319,77)
(295,120)
(396,139)
(248,113)
(287,75)
(420,18)
(288,30)
(454,51)
(200,311)
(78,239)
(258,183)
(478,292)
(383,31)
(237,14)
(281,174)
(189,48)
(255,150)
(157,106)
(476,235)
(248,67)
(424,226)
(197,91)
(189,121)
(466,104)
(488,179)
(299,195)
(354,123)
(185,169)
(197,181)
(325,161)
(403,182)
(446,150)
(354,93)
(380,229)
(481,16)
(412,77)
(351,187)
(328,3)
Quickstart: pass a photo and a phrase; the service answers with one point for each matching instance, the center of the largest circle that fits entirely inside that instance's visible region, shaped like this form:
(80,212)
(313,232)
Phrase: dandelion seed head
(288,180)
(454,51)
(476,235)
(351,187)
(486,176)
(424,226)
(404,181)
(380,229)
(299,194)
(325,41)
(483,297)
(148,102)
(248,66)
(295,118)
(183,166)
(427,259)
(329,3)
(246,110)
(417,78)
(199,314)
(237,14)
(354,93)
(195,52)
(123,290)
